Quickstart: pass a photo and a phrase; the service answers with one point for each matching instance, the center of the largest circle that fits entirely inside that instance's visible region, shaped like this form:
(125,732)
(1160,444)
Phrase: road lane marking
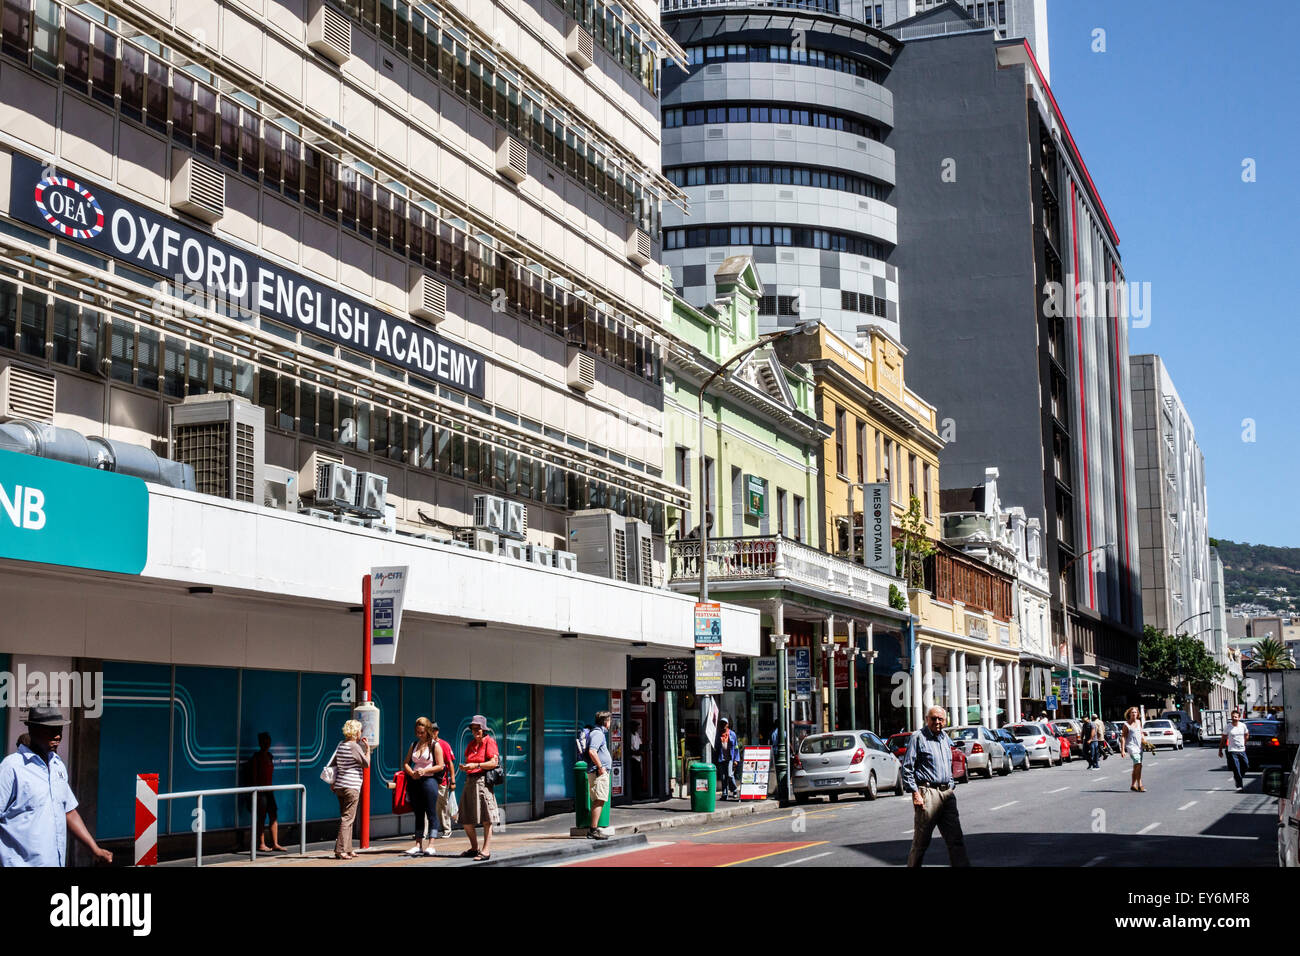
(1003,806)
(815,856)
(1190,803)
(1095,860)
(1148,828)
(1057,790)
(763,856)
(771,819)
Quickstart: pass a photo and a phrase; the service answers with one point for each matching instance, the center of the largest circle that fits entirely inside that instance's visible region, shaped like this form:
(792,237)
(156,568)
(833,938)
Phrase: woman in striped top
(350,758)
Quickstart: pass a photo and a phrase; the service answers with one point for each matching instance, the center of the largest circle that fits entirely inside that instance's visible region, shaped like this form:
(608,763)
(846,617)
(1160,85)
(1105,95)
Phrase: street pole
(365,698)
(871,676)
(782,716)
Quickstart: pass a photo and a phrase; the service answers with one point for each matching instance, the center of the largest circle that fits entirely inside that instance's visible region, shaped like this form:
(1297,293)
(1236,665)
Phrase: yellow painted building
(880,431)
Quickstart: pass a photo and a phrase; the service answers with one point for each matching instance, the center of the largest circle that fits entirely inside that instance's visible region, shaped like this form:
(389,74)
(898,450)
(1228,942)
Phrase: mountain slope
(1247,568)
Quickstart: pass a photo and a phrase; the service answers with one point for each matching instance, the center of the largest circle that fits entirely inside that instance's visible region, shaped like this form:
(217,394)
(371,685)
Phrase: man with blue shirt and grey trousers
(927,776)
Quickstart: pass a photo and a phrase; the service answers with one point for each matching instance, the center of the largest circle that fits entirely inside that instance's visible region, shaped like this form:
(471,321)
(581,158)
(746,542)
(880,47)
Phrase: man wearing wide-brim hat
(37,808)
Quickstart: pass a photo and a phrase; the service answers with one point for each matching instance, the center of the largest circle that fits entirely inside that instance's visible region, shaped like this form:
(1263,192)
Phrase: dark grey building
(778,134)
(1016,305)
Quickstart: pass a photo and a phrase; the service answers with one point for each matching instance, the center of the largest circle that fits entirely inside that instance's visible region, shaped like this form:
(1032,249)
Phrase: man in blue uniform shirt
(37,808)
(927,776)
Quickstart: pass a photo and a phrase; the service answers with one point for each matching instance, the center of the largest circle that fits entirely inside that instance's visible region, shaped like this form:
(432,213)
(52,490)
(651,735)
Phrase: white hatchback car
(844,761)
(1163,733)
(1038,743)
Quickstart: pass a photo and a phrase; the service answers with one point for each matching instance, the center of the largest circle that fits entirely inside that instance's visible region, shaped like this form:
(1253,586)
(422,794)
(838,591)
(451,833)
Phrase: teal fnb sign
(55,513)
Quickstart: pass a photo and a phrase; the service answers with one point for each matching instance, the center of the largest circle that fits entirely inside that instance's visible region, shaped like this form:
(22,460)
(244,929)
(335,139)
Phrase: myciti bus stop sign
(52,512)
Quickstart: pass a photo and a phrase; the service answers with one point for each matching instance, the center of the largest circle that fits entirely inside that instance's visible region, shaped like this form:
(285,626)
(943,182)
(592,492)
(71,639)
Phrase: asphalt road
(1191,815)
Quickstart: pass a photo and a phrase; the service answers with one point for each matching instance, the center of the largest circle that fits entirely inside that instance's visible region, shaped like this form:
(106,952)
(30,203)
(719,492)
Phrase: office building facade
(778,132)
(1021,347)
(410,242)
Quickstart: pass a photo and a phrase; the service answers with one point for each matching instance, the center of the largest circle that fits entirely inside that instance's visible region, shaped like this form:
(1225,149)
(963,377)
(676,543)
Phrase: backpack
(581,741)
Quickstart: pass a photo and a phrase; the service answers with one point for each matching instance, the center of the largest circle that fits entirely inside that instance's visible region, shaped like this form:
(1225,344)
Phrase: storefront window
(558,735)
(516,747)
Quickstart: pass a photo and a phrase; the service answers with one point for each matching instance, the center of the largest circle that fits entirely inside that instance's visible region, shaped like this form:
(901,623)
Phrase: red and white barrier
(146,819)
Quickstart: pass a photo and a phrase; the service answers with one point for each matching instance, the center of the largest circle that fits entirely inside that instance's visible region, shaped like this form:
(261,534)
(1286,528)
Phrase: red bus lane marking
(687,854)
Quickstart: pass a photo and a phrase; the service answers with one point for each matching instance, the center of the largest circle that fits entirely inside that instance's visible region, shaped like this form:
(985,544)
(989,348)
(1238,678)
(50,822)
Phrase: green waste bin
(704,783)
(582,799)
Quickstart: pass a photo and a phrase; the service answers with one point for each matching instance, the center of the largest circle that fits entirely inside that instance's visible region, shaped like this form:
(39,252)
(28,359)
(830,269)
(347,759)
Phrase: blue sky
(1164,118)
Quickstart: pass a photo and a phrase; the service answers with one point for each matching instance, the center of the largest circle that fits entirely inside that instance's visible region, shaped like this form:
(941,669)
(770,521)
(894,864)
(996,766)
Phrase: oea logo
(69,207)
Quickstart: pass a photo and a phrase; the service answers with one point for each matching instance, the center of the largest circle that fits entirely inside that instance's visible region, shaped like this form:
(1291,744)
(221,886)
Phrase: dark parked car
(1266,745)
(1114,735)
(1014,748)
(1189,728)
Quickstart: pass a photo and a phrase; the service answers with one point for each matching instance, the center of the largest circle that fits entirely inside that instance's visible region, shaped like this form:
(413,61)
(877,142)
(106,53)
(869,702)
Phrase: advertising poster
(708,672)
(616,743)
(708,625)
(387,588)
(755,767)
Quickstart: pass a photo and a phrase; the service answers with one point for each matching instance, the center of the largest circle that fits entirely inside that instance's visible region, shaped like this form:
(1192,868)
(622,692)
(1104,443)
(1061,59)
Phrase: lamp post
(1069,641)
(806,328)
(780,762)
(1178,651)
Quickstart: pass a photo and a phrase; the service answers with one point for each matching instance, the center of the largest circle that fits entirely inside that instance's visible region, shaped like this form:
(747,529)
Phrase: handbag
(495,777)
(329,771)
(401,798)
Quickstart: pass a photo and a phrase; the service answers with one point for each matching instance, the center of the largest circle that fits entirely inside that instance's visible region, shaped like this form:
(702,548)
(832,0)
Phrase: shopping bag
(401,799)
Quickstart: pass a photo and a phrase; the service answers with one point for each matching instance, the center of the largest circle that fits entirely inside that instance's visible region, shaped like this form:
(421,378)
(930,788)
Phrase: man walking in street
(445,789)
(927,776)
(1235,742)
(37,808)
(1092,740)
(599,764)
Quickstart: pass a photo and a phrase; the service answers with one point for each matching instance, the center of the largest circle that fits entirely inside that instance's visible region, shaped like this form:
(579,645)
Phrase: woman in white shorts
(1133,745)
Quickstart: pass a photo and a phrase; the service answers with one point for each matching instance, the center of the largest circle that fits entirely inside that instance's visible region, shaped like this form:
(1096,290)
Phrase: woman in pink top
(424,767)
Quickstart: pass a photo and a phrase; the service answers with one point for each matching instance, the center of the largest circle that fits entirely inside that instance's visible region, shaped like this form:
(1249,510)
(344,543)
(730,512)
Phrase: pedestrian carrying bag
(401,796)
(329,771)
(497,775)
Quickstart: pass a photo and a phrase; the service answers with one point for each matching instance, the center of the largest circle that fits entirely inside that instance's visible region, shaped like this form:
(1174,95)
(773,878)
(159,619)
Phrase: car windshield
(1006,736)
(1269,727)
(899,740)
(964,733)
(1174,716)
(1159,725)
(827,744)
(1026,730)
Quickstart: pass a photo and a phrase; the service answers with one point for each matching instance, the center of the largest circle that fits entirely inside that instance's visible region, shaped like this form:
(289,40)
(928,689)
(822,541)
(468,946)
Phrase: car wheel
(1007,767)
(870,792)
(965,774)
(898,785)
(988,770)
(1180,746)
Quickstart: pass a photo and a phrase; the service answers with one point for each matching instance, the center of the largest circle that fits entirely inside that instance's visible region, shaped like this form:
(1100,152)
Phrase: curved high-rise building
(778,131)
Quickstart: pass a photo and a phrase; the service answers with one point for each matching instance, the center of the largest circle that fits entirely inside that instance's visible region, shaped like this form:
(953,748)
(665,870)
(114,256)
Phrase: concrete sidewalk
(518,844)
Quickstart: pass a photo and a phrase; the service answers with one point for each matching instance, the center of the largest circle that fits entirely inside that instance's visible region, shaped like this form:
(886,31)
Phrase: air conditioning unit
(640,553)
(486,541)
(199,189)
(428,299)
(580,45)
(27,393)
(514,550)
(512,158)
(582,369)
(489,513)
(336,485)
(516,525)
(307,474)
(371,494)
(599,539)
(566,560)
(638,247)
(329,33)
(545,557)
(223,438)
(281,489)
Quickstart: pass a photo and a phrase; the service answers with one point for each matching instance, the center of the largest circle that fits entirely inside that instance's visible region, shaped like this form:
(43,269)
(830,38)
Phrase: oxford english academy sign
(168,248)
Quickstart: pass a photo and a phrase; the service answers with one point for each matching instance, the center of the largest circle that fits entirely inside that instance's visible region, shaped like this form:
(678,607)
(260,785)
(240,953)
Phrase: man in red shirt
(448,786)
(265,807)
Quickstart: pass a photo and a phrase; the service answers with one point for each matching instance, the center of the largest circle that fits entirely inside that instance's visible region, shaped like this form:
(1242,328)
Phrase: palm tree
(1271,655)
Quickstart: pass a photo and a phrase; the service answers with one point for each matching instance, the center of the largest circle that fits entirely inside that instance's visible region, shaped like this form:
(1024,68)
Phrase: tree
(915,546)
(1175,659)
(1271,655)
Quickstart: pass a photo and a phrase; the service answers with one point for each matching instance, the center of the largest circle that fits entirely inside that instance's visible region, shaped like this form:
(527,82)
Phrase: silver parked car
(1038,743)
(842,761)
(984,751)
(1163,733)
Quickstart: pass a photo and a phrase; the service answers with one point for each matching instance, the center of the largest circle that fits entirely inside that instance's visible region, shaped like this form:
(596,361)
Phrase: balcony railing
(776,558)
